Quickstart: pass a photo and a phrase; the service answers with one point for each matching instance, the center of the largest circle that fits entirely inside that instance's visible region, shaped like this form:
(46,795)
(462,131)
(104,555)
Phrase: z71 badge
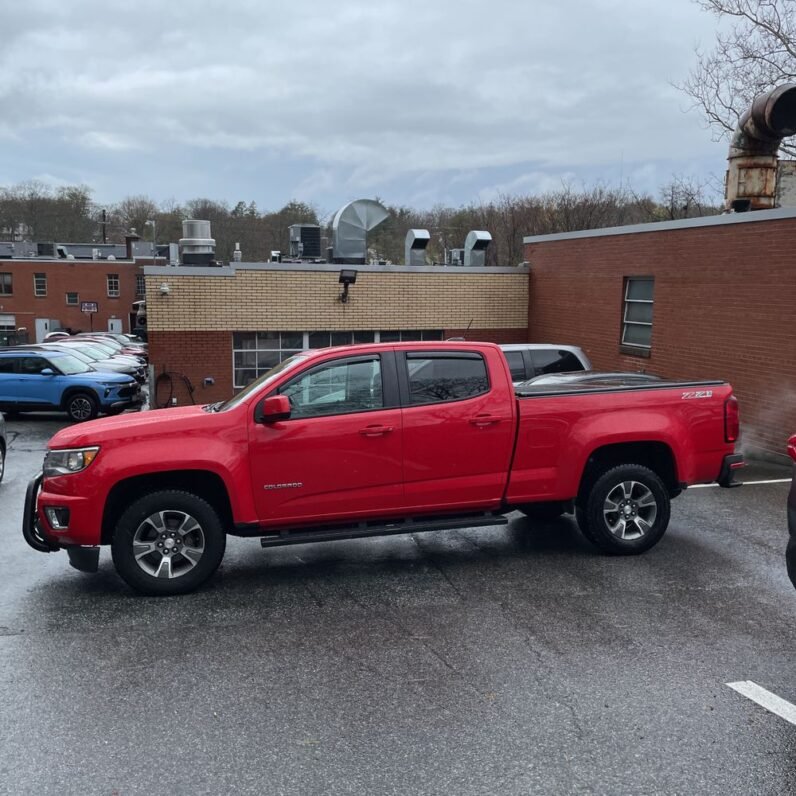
(698,394)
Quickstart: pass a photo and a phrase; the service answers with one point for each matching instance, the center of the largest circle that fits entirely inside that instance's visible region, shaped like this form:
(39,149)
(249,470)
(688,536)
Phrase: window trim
(389,385)
(403,375)
(635,348)
(36,278)
(75,303)
(140,279)
(10,275)
(118,292)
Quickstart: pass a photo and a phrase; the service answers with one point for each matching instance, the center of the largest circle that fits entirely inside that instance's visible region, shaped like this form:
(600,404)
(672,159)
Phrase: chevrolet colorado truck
(371,440)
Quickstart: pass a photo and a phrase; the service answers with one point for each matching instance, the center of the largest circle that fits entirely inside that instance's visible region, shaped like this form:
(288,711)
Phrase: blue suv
(34,381)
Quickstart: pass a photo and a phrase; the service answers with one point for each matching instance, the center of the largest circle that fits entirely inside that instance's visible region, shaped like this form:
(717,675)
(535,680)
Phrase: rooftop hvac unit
(475,246)
(455,256)
(305,241)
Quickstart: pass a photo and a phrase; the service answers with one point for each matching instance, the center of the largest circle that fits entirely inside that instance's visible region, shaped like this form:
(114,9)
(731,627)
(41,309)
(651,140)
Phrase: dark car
(790,553)
(3,446)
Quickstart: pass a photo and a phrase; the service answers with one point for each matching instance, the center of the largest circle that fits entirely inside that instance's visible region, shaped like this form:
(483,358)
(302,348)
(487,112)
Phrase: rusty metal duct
(751,182)
(475,245)
(415,248)
(196,245)
(350,227)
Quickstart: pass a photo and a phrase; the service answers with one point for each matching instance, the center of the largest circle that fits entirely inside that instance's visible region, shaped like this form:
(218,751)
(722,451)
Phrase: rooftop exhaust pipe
(196,245)
(475,245)
(751,182)
(415,246)
(350,227)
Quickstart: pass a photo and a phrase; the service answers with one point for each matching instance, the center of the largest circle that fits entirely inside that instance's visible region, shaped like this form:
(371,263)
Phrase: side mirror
(47,372)
(274,409)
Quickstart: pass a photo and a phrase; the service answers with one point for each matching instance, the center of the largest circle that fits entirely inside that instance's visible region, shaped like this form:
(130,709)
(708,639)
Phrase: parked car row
(83,375)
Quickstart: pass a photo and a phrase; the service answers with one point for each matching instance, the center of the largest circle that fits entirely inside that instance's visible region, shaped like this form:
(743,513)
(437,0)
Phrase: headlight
(68,461)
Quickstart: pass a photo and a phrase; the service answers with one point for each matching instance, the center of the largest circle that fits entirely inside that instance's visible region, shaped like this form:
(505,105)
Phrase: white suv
(527,360)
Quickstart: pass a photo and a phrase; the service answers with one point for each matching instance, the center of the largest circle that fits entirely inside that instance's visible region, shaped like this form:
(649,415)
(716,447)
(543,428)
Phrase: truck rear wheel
(168,542)
(626,511)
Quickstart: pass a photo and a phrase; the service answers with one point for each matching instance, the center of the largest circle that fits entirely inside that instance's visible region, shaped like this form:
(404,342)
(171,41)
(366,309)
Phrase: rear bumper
(730,464)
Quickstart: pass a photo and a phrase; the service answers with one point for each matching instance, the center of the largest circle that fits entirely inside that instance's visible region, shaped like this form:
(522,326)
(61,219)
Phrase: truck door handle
(484,420)
(375,431)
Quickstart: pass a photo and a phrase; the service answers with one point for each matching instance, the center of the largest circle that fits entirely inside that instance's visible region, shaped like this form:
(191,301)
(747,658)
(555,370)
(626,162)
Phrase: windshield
(103,349)
(266,378)
(77,355)
(70,365)
(88,351)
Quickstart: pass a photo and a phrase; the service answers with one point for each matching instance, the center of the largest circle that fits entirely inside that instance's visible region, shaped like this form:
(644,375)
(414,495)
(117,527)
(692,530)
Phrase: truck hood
(133,426)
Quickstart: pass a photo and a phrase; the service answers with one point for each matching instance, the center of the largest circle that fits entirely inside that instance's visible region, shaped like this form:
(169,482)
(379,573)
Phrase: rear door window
(436,378)
(553,360)
(7,364)
(516,365)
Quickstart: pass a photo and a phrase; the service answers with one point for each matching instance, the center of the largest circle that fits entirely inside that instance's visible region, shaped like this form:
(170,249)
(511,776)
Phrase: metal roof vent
(475,246)
(196,245)
(416,243)
(350,227)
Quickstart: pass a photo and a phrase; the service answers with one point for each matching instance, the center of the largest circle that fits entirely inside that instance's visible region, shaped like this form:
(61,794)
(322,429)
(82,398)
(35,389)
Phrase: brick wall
(297,300)
(87,278)
(196,356)
(725,307)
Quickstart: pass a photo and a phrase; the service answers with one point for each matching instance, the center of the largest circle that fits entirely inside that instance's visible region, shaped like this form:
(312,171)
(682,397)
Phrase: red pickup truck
(372,440)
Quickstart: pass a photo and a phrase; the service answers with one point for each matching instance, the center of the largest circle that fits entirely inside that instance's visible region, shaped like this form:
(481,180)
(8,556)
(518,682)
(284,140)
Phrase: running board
(363,529)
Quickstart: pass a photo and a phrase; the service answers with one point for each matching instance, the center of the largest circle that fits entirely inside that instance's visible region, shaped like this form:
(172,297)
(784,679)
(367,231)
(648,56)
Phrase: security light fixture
(348,276)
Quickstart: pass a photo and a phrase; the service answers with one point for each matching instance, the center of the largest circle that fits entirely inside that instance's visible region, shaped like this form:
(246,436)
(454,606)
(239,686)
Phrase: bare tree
(756,53)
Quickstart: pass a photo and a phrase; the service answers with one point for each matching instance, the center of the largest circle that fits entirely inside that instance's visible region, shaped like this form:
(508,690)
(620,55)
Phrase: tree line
(35,211)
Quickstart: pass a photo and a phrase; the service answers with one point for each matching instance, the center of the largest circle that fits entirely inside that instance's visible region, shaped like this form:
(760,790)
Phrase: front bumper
(31,528)
(82,557)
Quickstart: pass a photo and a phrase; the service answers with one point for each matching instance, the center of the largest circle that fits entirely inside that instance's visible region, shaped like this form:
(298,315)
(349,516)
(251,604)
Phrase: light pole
(151,223)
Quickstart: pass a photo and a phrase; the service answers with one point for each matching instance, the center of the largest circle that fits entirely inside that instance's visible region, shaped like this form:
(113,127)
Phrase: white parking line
(749,483)
(766,699)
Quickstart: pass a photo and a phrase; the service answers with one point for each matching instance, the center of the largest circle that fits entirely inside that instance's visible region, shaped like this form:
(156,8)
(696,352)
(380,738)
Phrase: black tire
(81,406)
(790,559)
(542,511)
(642,510)
(2,462)
(182,573)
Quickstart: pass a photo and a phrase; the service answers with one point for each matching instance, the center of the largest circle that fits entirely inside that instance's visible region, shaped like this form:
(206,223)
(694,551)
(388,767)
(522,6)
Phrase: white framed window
(637,312)
(140,285)
(40,284)
(113,285)
(255,353)
(72,299)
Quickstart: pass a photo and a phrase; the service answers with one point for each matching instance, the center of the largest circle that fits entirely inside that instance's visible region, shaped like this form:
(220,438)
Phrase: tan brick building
(231,324)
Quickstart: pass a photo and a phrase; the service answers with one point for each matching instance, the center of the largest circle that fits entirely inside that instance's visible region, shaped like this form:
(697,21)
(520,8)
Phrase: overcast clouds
(417,102)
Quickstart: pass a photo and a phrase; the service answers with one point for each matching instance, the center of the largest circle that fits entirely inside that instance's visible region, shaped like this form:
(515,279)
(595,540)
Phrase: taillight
(792,447)
(732,423)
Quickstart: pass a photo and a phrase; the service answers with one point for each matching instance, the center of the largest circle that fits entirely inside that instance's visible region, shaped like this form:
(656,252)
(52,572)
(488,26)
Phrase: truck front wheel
(168,542)
(627,510)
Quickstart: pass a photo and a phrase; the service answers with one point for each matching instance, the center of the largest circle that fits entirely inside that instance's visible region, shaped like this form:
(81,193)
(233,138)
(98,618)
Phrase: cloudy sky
(416,102)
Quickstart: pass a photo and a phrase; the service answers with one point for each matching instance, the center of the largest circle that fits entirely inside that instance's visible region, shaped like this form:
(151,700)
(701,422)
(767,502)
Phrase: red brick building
(708,297)
(42,294)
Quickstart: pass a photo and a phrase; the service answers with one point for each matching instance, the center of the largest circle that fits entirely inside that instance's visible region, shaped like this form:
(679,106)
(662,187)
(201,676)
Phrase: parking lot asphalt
(501,660)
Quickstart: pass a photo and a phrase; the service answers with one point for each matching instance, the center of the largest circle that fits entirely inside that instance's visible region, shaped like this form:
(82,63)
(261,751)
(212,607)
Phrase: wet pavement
(497,660)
